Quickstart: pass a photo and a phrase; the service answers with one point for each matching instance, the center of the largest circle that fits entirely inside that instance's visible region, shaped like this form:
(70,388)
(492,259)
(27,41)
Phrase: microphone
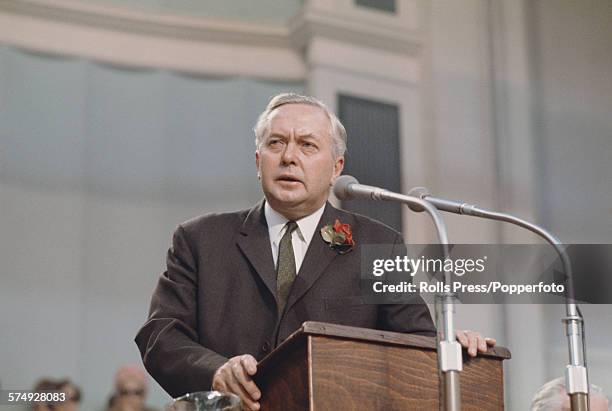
(348,188)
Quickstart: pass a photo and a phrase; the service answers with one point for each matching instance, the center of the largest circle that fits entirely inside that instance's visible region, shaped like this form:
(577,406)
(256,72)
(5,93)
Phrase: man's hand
(474,341)
(235,376)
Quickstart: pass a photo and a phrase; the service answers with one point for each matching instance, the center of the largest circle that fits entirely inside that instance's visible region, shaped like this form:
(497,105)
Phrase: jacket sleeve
(413,317)
(168,341)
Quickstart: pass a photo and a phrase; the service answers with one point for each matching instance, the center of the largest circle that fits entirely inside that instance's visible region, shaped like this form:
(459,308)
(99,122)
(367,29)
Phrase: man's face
(295,161)
(130,394)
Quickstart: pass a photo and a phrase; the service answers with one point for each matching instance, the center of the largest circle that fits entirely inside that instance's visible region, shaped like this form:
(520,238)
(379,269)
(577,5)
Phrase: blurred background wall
(121,119)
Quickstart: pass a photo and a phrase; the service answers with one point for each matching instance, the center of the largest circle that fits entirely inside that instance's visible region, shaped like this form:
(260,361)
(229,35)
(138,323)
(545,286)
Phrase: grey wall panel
(573,122)
(573,128)
(209,142)
(43,134)
(126,131)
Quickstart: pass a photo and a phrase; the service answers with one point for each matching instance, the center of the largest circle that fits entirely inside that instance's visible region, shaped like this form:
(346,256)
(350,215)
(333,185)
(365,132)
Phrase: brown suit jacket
(217,298)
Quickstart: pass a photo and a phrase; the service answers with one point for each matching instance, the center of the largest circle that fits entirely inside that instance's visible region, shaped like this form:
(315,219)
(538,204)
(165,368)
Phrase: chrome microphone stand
(576,373)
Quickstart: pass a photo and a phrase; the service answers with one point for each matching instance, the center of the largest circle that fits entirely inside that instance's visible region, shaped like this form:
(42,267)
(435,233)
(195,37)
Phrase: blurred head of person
(44,384)
(73,396)
(553,397)
(130,388)
(71,400)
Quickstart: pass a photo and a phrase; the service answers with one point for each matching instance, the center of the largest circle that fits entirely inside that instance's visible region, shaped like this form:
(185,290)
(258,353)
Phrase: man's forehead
(304,118)
(131,383)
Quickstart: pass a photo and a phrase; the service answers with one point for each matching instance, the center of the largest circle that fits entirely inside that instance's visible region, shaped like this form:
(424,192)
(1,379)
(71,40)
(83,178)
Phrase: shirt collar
(306,225)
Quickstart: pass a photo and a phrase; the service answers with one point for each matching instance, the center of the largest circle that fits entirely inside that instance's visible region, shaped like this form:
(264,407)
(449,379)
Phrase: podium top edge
(314,328)
(386,337)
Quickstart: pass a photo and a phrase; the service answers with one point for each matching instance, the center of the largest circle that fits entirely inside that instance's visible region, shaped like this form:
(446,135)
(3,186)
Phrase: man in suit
(237,284)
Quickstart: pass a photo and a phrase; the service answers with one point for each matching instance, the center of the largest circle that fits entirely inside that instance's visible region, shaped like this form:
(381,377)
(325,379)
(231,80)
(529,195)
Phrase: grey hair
(552,395)
(337,132)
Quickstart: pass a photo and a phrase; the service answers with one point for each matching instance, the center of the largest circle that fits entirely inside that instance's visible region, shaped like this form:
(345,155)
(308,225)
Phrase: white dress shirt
(300,238)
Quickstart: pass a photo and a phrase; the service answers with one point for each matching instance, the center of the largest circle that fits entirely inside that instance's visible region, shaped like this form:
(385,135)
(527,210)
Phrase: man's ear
(338,167)
(257,164)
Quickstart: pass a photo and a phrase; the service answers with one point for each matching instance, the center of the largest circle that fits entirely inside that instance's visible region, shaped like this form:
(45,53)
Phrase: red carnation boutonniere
(339,237)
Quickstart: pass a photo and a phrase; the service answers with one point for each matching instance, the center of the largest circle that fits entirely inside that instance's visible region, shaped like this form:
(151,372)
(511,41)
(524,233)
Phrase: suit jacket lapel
(254,241)
(318,257)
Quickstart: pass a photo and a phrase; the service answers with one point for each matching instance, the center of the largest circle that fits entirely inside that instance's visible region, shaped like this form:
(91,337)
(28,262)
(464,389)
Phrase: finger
(490,341)
(482,343)
(219,385)
(462,338)
(249,363)
(252,390)
(247,384)
(247,401)
(472,344)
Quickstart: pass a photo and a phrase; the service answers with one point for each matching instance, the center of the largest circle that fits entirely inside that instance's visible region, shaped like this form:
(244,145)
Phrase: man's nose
(289,153)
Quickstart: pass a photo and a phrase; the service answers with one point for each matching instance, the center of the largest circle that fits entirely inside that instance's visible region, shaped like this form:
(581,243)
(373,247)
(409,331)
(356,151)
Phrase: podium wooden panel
(333,367)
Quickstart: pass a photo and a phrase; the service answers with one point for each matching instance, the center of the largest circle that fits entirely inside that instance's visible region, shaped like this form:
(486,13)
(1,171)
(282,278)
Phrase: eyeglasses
(125,393)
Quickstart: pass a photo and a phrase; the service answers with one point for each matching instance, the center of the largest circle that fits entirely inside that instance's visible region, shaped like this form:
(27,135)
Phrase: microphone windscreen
(341,186)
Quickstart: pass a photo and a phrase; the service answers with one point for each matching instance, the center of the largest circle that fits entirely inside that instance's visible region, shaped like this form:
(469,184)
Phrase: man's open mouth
(289,179)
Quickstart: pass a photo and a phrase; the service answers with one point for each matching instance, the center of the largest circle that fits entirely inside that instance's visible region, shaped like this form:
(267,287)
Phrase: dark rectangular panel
(373,153)
(384,5)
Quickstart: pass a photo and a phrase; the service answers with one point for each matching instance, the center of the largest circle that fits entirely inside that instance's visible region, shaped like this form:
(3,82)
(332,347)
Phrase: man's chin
(290,194)
(287,200)
(284,201)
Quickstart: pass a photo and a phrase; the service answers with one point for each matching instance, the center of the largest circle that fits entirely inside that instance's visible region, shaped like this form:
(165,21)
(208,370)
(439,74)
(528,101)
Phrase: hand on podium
(235,377)
(474,341)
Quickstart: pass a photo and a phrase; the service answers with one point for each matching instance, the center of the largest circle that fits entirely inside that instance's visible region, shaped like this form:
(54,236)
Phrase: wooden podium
(333,367)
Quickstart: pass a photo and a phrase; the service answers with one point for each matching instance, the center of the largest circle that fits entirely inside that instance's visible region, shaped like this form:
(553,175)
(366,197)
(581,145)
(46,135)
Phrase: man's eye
(308,144)
(273,143)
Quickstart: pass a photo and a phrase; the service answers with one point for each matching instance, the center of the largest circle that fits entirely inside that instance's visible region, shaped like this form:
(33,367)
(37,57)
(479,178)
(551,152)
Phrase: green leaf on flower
(327,233)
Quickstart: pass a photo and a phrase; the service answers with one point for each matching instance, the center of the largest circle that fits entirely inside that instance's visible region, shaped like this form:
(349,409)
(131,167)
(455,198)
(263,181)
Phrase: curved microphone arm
(551,239)
(576,372)
(576,375)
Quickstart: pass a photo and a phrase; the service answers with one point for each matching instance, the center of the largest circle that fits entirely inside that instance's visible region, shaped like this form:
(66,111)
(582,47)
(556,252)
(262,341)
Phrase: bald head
(553,397)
